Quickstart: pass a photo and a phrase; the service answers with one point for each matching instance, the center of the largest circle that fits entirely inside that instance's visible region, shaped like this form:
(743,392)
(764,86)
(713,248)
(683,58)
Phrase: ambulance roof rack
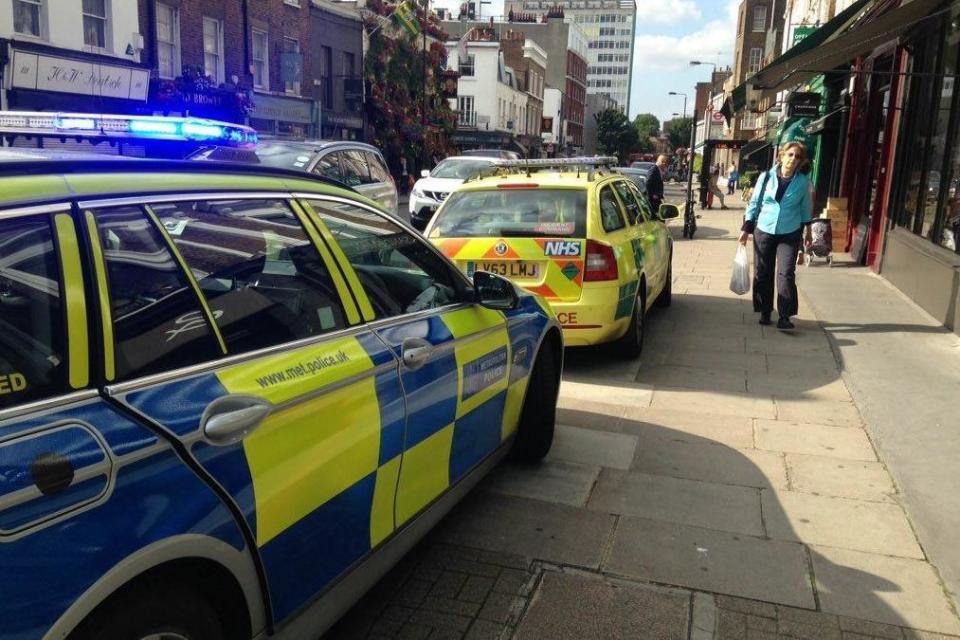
(589,163)
(107,126)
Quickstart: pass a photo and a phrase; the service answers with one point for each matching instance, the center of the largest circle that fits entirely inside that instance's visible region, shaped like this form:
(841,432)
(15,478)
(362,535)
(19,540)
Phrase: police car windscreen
(528,213)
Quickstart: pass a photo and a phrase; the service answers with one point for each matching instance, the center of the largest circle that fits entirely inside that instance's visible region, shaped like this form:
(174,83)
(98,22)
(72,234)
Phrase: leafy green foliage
(615,134)
(647,126)
(678,132)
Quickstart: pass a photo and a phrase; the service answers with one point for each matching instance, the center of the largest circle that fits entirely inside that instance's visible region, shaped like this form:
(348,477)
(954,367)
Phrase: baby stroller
(821,234)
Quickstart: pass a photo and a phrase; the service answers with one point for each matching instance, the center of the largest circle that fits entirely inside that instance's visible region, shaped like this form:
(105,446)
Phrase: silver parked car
(355,164)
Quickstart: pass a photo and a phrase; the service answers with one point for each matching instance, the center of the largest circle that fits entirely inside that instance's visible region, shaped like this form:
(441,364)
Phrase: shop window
(260,54)
(26,17)
(213,49)
(95,23)
(168,41)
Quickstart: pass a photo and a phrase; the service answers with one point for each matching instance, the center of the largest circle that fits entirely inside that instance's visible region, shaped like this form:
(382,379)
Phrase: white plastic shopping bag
(740,278)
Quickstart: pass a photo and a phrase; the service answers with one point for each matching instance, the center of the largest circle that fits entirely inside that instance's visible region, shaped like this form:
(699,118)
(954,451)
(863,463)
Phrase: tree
(647,126)
(678,132)
(615,134)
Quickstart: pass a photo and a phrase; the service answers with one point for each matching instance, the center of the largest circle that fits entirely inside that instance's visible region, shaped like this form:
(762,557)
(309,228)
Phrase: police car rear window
(527,213)
(32,359)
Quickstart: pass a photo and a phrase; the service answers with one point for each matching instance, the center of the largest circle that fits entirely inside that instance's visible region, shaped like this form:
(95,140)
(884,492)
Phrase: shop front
(483,140)
(284,116)
(342,126)
(39,77)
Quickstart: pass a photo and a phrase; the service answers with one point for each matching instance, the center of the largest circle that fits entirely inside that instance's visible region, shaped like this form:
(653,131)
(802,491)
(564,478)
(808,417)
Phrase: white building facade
(608,26)
(72,56)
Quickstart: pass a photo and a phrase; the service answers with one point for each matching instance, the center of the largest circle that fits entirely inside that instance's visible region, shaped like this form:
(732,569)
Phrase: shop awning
(845,37)
(753,147)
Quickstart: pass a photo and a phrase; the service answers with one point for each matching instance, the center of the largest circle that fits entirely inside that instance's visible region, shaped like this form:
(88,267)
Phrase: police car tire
(630,345)
(152,608)
(539,414)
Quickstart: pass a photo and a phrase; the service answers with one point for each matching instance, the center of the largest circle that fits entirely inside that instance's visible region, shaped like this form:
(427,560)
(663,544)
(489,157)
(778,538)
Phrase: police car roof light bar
(85,125)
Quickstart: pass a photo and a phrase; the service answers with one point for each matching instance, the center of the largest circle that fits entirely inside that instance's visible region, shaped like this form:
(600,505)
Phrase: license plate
(507,269)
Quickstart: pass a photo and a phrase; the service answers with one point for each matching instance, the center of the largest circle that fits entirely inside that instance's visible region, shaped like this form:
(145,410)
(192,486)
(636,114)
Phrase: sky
(669,34)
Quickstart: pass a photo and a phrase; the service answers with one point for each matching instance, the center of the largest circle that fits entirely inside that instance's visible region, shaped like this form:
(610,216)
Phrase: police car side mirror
(494,292)
(668,211)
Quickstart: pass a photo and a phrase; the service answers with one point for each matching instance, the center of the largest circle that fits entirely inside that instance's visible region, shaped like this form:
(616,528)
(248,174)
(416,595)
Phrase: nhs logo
(561,248)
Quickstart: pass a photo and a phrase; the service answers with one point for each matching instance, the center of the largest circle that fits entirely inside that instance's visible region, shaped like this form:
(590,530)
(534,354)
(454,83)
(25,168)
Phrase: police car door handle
(416,352)
(231,418)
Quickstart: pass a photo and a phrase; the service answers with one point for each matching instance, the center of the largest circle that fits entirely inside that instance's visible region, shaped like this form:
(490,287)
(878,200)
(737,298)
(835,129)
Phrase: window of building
(326,77)
(467,67)
(760,18)
(259,53)
(397,270)
(261,276)
(349,65)
(292,46)
(213,49)
(168,41)
(26,17)
(158,323)
(756,59)
(466,115)
(33,350)
(95,23)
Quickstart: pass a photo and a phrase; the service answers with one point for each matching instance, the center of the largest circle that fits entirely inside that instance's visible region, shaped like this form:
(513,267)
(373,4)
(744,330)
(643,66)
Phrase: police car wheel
(630,345)
(154,611)
(539,415)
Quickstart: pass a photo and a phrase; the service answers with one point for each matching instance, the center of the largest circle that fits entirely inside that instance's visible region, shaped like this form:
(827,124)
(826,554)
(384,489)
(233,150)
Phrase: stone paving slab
(839,522)
(898,591)
(729,379)
(633,395)
(591,447)
(531,528)
(840,414)
(841,478)
(784,347)
(550,481)
(712,561)
(714,403)
(814,439)
(808,388)
(704,504)
(710,462)
(688,426)
(681,356)
(573,607)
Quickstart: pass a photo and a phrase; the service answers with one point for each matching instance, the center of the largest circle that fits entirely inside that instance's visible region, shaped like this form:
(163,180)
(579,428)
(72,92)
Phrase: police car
(232,397)
(573,230)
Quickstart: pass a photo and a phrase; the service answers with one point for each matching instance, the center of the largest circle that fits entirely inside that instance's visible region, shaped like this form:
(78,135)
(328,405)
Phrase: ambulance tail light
(601,264)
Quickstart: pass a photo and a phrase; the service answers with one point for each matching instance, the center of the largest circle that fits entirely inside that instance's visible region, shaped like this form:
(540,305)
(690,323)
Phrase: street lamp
(693,138)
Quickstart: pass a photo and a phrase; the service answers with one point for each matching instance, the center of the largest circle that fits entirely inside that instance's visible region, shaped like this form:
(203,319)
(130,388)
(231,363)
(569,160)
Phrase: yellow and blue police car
(572,230)
(231,397)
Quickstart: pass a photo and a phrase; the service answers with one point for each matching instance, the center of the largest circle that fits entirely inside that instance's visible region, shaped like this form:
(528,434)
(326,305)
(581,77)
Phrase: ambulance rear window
(514,213)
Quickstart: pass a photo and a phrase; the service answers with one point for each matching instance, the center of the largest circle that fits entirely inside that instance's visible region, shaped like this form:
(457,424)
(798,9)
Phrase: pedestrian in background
(714,188)
(733,176)
(404,175)
(780,208)
(655,179)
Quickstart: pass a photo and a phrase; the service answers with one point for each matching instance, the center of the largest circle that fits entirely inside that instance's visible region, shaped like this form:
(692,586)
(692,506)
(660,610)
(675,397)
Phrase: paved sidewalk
(722,487)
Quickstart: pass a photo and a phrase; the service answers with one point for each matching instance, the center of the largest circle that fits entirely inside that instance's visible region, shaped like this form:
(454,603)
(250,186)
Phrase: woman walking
(780,209)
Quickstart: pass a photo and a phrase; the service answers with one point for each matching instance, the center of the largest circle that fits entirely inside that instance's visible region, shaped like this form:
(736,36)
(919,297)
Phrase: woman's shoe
(764,319)
(784,324)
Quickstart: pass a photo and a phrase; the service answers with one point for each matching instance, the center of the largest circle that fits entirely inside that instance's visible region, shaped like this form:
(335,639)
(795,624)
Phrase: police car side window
(610,215)
(158,323)
(263,279)
(32,331)
(399,272)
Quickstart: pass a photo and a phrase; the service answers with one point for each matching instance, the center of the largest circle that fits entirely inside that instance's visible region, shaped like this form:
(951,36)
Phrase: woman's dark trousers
(775,255)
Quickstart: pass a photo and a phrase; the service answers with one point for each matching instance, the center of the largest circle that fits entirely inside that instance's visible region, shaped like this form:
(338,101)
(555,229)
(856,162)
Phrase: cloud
(666,11)
(667,53)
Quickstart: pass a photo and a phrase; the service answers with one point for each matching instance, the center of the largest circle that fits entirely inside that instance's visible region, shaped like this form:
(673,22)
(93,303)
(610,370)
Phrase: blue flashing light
(160,127)
(83,124)
(201,130)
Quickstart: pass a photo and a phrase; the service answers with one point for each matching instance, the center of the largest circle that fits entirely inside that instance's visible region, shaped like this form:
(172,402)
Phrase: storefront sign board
(50,73)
